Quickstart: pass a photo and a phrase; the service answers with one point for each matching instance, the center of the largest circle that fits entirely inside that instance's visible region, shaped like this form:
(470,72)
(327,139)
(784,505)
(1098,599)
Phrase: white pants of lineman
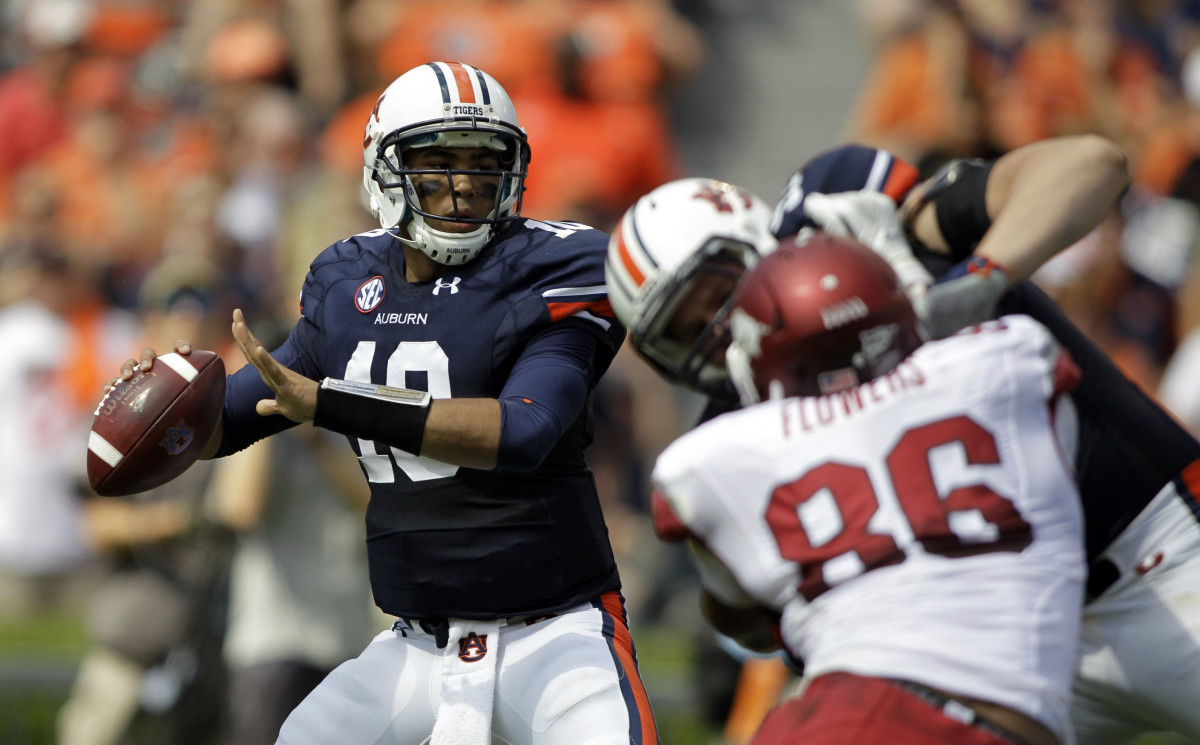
(1139,665)
(571,679)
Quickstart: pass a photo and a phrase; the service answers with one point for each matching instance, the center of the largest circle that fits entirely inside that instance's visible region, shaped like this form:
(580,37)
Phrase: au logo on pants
(472,647)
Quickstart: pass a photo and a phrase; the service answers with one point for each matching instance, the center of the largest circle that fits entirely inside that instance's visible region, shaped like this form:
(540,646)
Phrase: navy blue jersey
(1129,447)
(445,541)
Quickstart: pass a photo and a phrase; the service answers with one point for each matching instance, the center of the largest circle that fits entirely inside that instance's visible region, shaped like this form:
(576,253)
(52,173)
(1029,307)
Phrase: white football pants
(1139,667)
(571,679)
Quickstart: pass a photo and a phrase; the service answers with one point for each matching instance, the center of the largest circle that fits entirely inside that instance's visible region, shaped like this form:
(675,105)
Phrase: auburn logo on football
(472,647)
(178,438)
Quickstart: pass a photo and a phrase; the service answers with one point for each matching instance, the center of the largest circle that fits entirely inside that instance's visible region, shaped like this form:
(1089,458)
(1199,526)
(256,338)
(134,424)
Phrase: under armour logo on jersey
(370,295)
(452,285)
(472,647)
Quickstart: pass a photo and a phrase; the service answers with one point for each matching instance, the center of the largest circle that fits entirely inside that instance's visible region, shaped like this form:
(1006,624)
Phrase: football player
(456,348)
(903,513)
(1138,470)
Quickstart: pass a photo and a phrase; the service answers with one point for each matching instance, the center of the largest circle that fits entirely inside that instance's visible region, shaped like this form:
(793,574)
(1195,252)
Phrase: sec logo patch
(370,295)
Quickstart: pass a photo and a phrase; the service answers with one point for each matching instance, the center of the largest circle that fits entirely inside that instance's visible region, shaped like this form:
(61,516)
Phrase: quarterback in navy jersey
(457,348)
(527,311)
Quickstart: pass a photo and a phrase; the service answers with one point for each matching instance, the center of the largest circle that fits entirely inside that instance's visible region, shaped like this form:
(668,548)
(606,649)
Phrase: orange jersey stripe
(626,259)
(902,178)
(1191,478)
(559,311)
(623,646)
(463,79)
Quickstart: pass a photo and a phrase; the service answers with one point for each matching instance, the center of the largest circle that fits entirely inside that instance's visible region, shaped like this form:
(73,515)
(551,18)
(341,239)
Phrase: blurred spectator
(1080,74)
(300,603)
(46,401)
(1179,388)
(153,672)
(508,38)
(294,43)
(597,156)
(917,100)
(32,117)
(601,132)
(268,163)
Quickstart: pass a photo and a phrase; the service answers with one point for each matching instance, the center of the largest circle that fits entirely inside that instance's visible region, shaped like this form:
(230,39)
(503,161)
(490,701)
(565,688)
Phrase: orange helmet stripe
(463,78)
(626,259)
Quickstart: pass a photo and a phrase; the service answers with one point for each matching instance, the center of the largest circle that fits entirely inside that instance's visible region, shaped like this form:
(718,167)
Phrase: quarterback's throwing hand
(295,395)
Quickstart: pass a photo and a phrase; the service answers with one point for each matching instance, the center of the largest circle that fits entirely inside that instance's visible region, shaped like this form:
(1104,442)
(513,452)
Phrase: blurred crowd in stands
(164,161)
(977,78)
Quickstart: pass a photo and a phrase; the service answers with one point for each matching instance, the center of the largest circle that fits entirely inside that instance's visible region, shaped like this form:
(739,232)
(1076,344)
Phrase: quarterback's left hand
(295,395)
(870,218)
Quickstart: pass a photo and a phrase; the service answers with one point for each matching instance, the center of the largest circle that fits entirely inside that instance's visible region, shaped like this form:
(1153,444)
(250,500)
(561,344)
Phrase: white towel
(464,716)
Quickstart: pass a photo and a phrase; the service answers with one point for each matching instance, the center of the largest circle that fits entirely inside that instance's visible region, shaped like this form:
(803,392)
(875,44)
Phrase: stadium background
(220,129)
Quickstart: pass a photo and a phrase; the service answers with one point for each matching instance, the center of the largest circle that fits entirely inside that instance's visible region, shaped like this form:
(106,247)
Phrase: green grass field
(37,664)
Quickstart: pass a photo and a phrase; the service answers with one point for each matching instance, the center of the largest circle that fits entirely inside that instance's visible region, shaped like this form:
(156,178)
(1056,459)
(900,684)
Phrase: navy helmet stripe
(637,236)
(483,87)
(441,76)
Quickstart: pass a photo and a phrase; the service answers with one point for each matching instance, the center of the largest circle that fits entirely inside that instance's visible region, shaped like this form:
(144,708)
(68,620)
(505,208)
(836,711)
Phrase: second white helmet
(663,245)
(442,104)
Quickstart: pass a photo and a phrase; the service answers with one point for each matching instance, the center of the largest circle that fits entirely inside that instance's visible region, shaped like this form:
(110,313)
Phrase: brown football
(149,429)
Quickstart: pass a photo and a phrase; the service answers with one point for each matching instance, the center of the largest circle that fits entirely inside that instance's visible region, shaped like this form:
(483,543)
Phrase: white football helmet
(441,104)
(663,244)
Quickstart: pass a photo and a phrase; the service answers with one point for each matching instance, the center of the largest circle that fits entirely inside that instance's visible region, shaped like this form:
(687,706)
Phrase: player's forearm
(1045,196)
(463,431)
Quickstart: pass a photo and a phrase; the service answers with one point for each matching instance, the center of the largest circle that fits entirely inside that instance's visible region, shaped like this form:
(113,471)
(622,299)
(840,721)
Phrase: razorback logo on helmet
(720,197)
(472,647)
(369,295)
(843,312)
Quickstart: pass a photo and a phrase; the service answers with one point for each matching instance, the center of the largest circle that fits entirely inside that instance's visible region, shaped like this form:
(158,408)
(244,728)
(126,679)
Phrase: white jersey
(922,526)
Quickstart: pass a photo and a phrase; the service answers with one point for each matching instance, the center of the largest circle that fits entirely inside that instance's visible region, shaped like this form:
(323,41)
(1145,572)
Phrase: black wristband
(393,416)
(962,206)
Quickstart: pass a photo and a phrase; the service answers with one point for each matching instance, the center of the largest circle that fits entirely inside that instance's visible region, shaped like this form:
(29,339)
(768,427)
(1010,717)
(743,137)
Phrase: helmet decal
(720,198)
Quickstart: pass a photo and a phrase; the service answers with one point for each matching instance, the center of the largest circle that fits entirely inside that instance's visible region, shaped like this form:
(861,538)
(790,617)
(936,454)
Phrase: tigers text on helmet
(819,315)
(442,104)
(688,240)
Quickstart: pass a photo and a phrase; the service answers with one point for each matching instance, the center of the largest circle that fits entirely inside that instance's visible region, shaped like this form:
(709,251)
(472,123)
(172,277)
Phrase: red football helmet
(819,315)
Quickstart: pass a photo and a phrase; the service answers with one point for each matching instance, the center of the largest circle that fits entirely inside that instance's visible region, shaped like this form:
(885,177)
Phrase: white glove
(870,218)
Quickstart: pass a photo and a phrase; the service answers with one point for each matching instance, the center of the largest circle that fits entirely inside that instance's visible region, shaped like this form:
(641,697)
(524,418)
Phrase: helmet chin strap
(442,246)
